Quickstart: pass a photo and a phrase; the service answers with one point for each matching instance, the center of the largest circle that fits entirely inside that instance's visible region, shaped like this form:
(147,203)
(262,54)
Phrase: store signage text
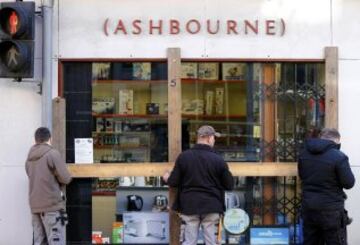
(268,27)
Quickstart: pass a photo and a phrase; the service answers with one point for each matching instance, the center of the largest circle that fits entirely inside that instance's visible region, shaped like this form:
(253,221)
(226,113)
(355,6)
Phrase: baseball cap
(207,130)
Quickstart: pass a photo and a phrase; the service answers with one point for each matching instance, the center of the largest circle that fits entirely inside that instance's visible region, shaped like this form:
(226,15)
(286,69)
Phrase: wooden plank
(268,136)
(101,170)
(331,87)
(174,103)
(59,126)
(174,129)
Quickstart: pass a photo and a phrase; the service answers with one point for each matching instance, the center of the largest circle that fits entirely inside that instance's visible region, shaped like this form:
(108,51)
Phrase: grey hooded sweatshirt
(47,174)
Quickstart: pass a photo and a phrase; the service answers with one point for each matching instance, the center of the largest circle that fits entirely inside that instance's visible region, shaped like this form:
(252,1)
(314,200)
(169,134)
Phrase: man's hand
(166,175)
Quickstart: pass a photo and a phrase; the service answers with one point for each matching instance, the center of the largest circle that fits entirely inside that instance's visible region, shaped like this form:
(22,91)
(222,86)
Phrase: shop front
(136,79)
(135,88)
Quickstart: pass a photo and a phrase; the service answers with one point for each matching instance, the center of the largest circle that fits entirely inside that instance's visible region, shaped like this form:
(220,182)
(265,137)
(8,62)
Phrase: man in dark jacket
(48,175)
(324,171)
(201,176)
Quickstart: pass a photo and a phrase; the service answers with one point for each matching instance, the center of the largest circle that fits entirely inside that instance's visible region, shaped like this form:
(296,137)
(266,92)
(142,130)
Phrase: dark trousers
(324,227)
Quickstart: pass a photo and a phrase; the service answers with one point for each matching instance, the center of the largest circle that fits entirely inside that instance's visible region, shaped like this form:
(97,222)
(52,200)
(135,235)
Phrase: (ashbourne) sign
(267,27)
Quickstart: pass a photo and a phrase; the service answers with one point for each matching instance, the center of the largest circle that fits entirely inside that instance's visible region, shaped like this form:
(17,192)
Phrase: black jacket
(324,171)
(201,176)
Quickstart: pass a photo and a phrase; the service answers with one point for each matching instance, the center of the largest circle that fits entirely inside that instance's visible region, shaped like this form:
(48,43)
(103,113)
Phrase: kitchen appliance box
(146,227)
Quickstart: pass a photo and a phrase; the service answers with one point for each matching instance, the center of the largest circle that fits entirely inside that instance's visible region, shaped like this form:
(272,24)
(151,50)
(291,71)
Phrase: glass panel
(223,95)
(129,108)
(123,106)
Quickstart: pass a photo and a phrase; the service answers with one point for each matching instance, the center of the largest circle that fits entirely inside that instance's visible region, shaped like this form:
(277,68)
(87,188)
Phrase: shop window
(264,111)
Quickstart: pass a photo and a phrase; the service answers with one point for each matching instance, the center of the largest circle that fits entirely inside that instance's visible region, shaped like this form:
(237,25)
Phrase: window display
(128,110)
(123,107)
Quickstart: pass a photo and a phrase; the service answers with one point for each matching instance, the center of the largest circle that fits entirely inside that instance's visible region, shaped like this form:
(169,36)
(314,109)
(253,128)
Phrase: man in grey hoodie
(48,176)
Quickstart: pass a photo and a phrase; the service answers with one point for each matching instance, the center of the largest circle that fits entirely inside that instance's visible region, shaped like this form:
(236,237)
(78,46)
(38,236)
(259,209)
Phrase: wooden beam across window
(157,169)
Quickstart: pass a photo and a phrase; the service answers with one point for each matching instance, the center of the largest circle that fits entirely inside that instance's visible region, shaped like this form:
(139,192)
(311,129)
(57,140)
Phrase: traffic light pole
(47,83)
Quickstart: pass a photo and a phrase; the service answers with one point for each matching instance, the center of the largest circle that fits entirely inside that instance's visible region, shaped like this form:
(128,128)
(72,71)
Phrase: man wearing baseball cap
(201,176)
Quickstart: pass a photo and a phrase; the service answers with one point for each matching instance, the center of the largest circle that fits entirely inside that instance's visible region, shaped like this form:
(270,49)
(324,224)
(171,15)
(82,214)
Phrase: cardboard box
(103,105)
(219,101)
(146,227)
(126,101)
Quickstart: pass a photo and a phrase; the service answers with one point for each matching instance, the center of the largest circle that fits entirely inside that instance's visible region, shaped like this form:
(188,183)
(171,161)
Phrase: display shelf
(135,133)
(141,147)
(104,193)
(218,117)
(125,116)
(130,81)
(187,80)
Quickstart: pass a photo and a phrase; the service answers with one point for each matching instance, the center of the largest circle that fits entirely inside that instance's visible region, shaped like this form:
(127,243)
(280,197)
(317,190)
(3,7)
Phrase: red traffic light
(17,32)
(17,20)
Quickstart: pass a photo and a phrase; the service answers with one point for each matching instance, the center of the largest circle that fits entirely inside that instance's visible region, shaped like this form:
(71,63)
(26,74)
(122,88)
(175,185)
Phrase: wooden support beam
(101,170)
(331,87)
(59,126)
(174,129)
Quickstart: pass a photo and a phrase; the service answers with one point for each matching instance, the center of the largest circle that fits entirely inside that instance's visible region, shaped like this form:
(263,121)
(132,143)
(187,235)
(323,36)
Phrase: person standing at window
(201,176)
(324,171)
(48,174)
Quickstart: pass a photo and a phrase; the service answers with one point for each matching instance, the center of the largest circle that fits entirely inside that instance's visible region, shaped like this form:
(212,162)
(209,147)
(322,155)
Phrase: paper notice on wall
(257,132)
(84,150)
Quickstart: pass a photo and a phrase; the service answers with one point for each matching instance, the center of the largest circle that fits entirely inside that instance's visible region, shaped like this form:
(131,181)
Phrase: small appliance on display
(146,227)
(126,181)
(152,108)
(134,228)
(160,203)
(156,228)
(135,203)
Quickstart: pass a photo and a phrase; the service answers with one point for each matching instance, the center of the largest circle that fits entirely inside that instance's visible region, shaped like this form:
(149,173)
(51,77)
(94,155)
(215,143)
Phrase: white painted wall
(20,110)
(311,25)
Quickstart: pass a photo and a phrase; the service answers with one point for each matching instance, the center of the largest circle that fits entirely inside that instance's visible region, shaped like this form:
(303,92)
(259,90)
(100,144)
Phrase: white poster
(84,150)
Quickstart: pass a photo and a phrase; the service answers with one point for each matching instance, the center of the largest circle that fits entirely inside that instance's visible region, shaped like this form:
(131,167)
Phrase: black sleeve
(227,179)
(344,173)
(175,176)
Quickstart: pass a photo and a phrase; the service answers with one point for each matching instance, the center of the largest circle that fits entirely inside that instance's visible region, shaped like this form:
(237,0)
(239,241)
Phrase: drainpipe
(46,100)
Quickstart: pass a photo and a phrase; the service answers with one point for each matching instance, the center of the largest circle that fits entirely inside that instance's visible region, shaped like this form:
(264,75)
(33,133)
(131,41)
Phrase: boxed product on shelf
(209,102)
(100,124)
(152,108)
(109,124)
(101,71)
(193,107)
(103,105)
(208,71)
(146,227)
(219,100)
(234,71)
(129,141)
(117,126)
(126,101)
(138,125)
(189,70)
(97,238)
(117,233)
(142,71)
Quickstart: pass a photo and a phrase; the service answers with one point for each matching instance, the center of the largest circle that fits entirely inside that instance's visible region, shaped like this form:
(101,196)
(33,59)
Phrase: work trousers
(49,228)
(191,224)
(324,227)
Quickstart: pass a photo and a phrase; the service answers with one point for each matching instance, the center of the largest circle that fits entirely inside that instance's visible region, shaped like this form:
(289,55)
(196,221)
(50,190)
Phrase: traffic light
(17,31)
